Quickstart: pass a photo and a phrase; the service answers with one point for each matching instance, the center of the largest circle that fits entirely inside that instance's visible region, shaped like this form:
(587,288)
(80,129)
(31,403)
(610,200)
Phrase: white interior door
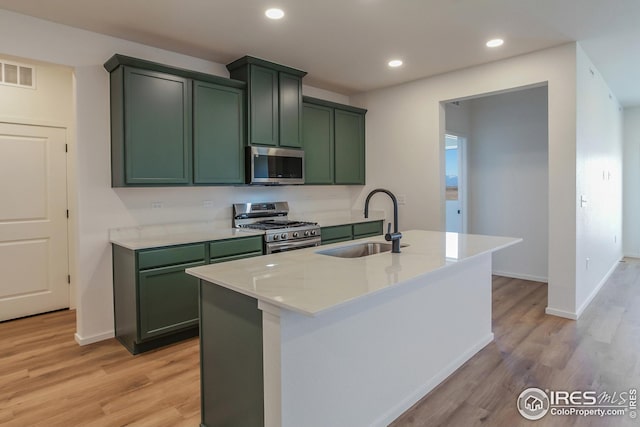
(33,220)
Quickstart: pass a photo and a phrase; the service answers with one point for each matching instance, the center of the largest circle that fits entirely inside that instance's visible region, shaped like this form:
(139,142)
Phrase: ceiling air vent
(13,74)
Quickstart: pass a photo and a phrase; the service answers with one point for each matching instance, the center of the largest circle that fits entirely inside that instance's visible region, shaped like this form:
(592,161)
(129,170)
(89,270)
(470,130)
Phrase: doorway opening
(502,175)
(455,183)
(36,251)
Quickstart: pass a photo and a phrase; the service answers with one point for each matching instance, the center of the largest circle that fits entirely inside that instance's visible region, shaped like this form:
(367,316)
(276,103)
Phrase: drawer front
(234,257)
(339,232)
(367,229)
(232,247)
(154,258)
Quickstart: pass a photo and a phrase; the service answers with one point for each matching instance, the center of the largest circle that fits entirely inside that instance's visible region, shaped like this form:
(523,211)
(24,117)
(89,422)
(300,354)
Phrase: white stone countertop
(155,236)
(310,283)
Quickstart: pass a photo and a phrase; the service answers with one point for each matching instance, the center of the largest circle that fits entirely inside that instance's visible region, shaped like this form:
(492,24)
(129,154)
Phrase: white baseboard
(593,294)
(432,383)
(561,313)
(585,304)
(631,255)
(521,276)
(94,338)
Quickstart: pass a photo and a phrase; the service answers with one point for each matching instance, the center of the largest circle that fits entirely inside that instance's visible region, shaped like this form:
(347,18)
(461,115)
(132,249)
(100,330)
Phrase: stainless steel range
(281,234)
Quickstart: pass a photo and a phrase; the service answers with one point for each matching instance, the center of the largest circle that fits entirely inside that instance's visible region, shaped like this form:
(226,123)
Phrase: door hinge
(68,278)
(67,213)
(66,148)
(458,211)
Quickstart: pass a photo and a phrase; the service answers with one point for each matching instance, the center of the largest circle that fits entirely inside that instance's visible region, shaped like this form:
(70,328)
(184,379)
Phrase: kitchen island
(303,338)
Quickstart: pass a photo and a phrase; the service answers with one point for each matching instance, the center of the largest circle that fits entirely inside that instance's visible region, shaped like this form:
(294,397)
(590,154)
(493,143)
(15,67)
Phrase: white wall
(405,126)
(507,175)
(631,180)
(100,207)
(599,180)
(457,118)
(51,102)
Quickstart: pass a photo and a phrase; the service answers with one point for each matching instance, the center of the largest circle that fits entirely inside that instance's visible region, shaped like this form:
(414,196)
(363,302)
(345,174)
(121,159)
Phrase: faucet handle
(389,228)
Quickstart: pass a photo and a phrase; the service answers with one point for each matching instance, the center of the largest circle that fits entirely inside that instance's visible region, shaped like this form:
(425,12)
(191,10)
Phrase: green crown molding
(117,60)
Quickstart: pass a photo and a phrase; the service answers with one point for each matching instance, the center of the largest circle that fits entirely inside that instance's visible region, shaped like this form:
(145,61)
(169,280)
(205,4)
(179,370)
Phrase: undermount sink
(358,250)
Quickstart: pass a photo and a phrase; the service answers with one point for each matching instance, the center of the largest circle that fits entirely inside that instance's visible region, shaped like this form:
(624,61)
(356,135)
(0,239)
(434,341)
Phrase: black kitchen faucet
(394,237)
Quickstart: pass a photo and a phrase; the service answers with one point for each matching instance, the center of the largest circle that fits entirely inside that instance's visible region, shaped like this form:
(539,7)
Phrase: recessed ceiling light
(395,63)
(495,42)
(274,13)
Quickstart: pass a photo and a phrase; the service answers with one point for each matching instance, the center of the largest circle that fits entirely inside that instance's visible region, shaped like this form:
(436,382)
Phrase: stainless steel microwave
(269,166)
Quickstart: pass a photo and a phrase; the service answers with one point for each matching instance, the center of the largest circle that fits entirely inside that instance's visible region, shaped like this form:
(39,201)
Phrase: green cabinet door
(317,137)
(274,94)
(157,123)
(218,134)
(349,147)
(290,98)
(263,106)
(168,300)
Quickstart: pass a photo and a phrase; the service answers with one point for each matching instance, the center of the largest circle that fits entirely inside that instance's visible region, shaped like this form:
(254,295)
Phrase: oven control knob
(276,237)
(313,232)
(306,233)
(283,235)
(295,234)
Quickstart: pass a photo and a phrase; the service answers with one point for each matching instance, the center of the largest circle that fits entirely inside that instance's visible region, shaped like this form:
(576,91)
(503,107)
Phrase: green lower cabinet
(367,229)
(231,364)
(343,233)
(155,301)
(338,233)
(168,300)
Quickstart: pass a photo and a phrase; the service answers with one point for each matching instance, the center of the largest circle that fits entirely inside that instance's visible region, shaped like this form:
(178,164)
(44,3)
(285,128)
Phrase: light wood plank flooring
(600,351)
(46,379)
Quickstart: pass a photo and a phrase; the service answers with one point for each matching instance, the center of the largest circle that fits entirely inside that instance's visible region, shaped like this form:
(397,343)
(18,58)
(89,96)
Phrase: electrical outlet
(207,204)
(586,264)
(157,205)
(402,199)
(615,238)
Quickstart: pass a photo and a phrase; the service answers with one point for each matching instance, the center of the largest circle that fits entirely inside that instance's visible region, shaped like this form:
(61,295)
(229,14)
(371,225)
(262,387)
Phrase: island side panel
(231,372)
(366,363)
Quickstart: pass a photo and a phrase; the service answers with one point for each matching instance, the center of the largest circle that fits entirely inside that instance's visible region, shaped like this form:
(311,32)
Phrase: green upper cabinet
(263,106)
(334,142)
(290,96)
(171,126)
(349,147)
(218,134)
(274,99)
(157,131)
(317,136)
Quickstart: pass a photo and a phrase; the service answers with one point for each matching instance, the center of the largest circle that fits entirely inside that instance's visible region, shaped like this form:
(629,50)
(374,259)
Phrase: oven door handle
(303,243)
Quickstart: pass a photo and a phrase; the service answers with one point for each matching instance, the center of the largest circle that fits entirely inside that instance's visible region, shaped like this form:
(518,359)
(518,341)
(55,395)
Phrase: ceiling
(345,45)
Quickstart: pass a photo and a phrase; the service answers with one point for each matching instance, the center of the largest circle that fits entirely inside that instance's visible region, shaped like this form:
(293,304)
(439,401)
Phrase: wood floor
(46,379)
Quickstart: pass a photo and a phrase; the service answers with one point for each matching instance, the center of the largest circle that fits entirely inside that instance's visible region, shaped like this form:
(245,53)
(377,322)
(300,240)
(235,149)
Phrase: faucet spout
(394,237)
